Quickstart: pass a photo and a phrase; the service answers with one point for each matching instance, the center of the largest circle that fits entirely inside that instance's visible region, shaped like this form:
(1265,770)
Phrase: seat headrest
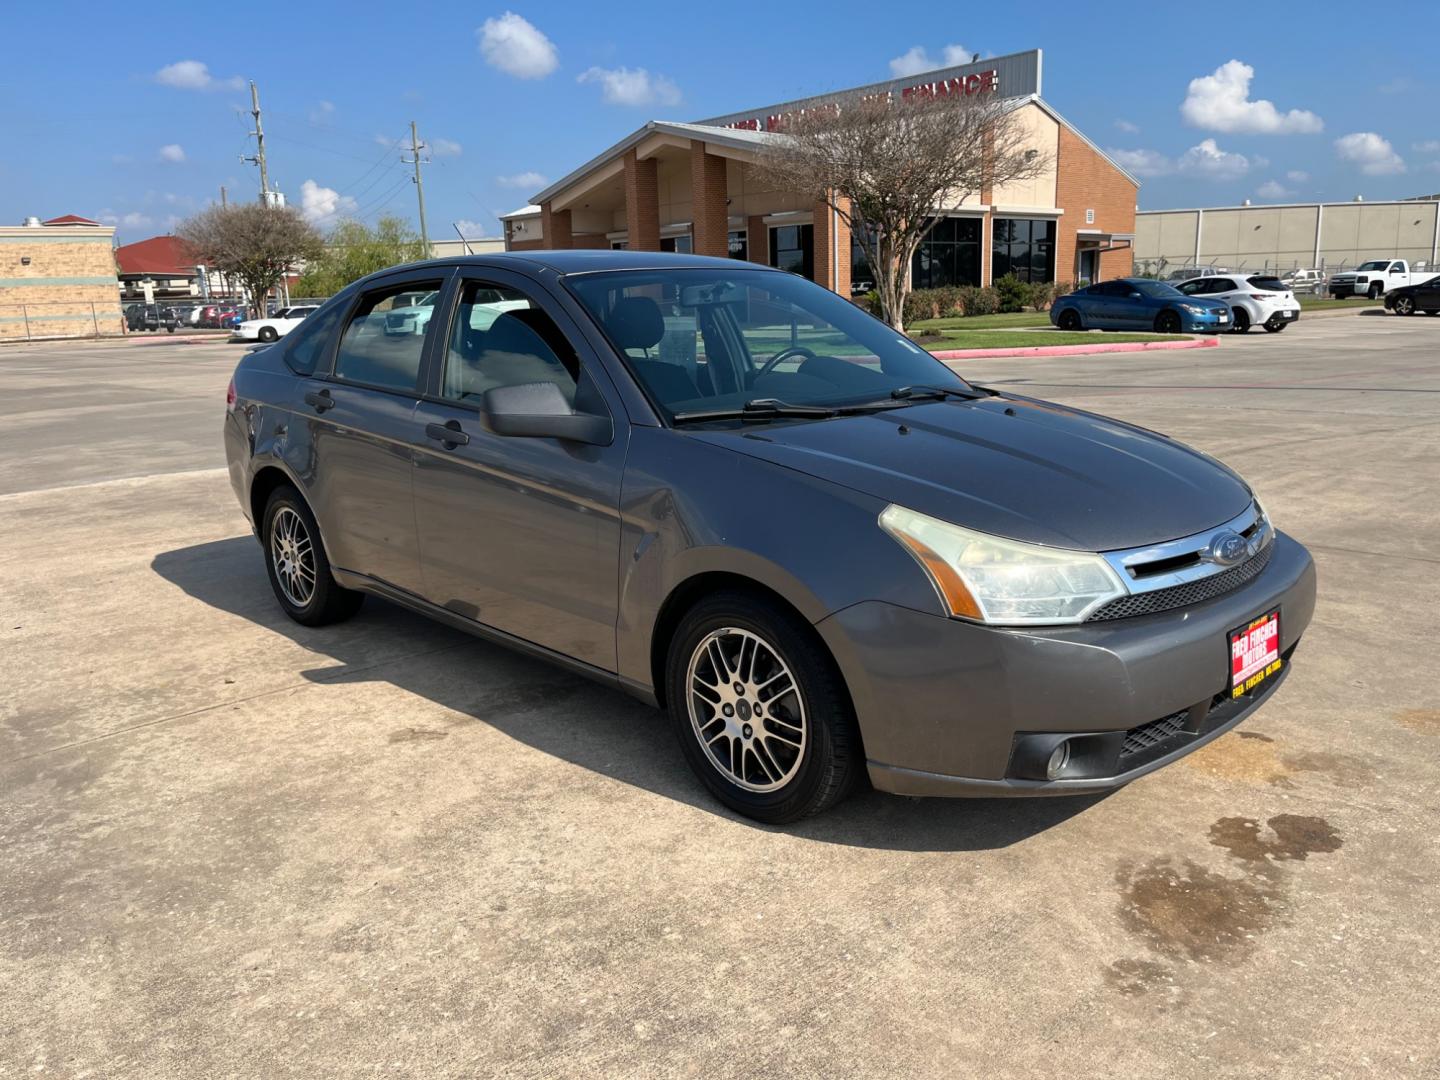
(636,323)
(509,334)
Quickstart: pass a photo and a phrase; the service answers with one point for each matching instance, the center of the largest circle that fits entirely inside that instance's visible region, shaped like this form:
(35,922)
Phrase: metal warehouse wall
(1330,236)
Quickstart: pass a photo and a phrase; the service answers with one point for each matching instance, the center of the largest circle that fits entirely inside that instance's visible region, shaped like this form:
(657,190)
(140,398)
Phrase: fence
(1165,268)
(60,319)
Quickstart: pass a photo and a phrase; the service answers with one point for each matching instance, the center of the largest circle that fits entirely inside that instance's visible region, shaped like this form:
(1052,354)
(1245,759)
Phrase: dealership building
(1291,236)
(693,187)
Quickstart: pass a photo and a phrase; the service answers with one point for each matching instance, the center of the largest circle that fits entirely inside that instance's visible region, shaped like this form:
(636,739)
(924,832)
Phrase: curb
(1078,350)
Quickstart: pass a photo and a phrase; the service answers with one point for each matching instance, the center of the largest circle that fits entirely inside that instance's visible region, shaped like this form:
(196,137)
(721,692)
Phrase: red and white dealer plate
(1254,653)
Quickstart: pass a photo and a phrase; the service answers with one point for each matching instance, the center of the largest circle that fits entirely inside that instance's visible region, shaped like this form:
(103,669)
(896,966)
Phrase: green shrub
(978,301)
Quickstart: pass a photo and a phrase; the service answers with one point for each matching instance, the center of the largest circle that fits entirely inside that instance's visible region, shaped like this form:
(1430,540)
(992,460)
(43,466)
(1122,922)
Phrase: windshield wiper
(758,409)
(921,392)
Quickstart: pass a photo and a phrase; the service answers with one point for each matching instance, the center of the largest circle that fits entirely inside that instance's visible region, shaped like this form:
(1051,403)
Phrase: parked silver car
(733,494)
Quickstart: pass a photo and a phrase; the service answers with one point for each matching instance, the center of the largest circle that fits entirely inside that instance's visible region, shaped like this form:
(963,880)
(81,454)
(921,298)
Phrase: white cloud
(1221,102)
(533,180)
(445,148)
(514,46)
(172,152)
(320,205)
(1273,189)
(322,113)
(1427,146)
(632,86)
(1127,127)
(1297,176)
(133,220)
(471,230)
(194,75)
(1374,155)
(1205,159)
(916,59)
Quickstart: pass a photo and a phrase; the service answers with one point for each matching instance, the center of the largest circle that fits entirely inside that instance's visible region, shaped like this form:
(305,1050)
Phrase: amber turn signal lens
(947,582)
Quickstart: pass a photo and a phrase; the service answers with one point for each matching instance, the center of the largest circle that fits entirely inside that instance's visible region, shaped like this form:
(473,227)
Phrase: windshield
(1156,289)
(1374,264)
(701,340)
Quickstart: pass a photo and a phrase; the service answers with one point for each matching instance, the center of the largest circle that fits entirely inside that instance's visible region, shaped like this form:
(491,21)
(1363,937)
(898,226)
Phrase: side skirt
(366,584)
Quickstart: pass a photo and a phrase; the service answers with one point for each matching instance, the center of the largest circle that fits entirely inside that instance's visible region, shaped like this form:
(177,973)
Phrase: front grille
(1192,592)
(1154,734)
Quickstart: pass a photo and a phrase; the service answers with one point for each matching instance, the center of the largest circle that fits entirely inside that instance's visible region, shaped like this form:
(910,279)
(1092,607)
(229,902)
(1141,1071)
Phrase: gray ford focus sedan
(735,495)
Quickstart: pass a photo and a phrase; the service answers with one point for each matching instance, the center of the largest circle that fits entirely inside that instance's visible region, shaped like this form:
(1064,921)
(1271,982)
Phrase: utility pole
(415,147)
(259,156)
(223,201)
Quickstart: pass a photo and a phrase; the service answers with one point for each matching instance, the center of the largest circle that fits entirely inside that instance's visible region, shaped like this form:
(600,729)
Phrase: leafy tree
(253,244)
(354,249)
(885,163)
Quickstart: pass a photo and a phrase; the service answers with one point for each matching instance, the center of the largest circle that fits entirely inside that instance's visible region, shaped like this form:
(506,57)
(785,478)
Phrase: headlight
(994,580)
(1361,280)
(1195,309)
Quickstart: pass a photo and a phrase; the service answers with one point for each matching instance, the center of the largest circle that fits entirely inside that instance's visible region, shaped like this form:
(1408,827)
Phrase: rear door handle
(448,433)
(321,401)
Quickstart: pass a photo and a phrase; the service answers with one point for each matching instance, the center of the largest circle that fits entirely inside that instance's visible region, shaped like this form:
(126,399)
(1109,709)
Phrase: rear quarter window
(1274,284)
(307,343)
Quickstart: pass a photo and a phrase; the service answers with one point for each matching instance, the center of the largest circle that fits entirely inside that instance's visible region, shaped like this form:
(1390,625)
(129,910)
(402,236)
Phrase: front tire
(760,709)
(1374,291)
(1404,306)
(1070,320)
(1167,322)
(296,563)
(268,334)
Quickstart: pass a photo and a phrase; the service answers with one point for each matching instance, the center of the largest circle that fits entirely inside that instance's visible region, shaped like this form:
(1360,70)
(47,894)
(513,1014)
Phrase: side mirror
(540,411)
(1134,294)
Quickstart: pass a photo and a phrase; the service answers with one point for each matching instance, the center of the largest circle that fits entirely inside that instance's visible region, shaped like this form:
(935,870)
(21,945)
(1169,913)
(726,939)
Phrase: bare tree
(886,163)
(254,244)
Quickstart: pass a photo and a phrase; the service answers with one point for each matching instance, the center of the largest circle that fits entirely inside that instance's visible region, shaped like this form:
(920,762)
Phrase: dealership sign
(1017,75)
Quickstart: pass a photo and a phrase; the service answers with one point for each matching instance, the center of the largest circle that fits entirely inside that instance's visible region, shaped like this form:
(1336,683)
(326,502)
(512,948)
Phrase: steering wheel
(790,350)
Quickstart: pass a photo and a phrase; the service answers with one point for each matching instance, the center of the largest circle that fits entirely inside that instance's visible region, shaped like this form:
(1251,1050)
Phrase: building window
(1025,248)
(738,244)
(678,244)
(792,248)
(619,245)
(949,255)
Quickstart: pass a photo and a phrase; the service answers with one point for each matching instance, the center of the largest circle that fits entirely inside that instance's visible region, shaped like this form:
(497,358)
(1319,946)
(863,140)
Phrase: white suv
(1258,300)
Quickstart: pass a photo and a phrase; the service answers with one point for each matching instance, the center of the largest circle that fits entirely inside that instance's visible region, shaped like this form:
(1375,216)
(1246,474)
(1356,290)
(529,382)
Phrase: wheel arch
(687,593)
(262,485)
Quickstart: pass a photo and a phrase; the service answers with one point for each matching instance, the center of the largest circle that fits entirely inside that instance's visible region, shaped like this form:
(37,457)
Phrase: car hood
(1011,467)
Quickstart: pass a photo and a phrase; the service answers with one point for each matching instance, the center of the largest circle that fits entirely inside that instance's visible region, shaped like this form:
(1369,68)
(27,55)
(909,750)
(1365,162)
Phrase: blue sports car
(1139,304)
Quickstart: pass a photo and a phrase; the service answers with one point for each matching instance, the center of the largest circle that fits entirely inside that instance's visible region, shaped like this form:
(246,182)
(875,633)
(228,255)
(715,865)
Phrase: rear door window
(385,339)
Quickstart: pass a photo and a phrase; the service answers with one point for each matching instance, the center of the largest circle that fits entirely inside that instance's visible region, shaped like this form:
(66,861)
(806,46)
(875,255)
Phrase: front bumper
(1343,290)
(239,334)
(941,701)
(1210,323)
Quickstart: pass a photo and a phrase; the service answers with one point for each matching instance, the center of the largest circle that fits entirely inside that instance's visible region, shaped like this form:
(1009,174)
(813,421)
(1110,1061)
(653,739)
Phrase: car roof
(585,261)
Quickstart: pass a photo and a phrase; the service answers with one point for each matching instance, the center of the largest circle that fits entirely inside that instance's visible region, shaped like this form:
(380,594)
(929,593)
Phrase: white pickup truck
(1375,278)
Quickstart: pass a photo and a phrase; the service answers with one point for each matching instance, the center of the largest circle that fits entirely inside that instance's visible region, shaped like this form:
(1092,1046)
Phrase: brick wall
(830,249)
(555,225)
(67,288)
(757,240)
(1084,179)
(642,203)
(708,202)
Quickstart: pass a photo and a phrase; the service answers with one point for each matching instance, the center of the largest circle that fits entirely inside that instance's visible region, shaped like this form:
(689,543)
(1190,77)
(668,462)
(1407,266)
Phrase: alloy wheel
(1404,306)
(292,553)
(746,709)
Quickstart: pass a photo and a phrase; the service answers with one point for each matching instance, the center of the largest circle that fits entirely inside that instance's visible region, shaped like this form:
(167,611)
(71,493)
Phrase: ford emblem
(1227,548)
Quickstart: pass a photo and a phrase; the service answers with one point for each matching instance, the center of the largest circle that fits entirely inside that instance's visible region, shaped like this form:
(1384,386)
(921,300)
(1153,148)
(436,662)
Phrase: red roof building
(159,257)
(71,219)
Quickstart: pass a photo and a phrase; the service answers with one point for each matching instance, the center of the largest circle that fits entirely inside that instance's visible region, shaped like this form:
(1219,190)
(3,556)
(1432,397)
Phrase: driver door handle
(448,433)
(319,401)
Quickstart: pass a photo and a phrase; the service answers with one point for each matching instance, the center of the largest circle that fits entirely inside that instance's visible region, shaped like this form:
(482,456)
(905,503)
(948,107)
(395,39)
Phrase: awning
(1100,240)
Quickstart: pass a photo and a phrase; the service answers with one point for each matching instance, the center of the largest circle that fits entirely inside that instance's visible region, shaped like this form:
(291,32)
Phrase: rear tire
(1167,322)
(1239,321)
(296,563)
(774,757)
(1273,327)
(1070,320)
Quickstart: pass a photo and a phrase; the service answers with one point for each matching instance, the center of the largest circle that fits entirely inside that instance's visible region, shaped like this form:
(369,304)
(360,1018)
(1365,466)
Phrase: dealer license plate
(1254,653)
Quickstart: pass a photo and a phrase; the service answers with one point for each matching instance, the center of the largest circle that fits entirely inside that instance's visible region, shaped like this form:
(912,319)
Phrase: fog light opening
(1059,758)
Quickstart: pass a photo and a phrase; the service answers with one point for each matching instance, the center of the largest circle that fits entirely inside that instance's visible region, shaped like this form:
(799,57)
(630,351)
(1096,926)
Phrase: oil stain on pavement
(1251,756)
(1183,911)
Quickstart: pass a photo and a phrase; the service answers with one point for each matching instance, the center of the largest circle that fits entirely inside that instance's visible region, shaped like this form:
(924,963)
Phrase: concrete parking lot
(233,846)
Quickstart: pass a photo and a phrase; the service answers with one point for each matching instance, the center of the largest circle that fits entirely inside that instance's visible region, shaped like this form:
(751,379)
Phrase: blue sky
(140,120)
